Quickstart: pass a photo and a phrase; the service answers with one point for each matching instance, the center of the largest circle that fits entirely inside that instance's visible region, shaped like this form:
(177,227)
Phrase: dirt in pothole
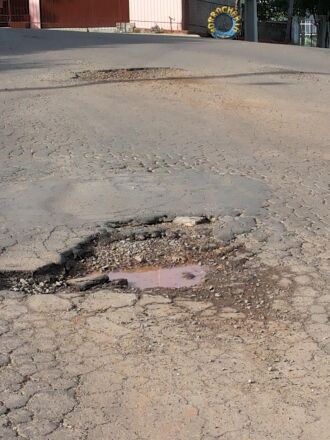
(229,276)
(132,74)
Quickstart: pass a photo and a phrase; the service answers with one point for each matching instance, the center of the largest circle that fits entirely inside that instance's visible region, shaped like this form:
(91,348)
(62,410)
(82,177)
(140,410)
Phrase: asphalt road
(239,130)
(75,155)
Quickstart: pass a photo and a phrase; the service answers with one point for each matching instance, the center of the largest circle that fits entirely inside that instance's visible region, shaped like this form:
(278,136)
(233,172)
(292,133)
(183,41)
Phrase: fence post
(35,19)
(288,28)
(322,31)
(9,11)
(295,30)
(185,15)
(251,21)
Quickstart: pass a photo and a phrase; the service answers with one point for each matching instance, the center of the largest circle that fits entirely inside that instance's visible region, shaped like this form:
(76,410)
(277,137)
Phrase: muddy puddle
(169,278)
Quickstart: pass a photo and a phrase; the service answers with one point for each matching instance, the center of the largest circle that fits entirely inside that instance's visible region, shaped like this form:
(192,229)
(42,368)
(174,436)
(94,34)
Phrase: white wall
(149,13)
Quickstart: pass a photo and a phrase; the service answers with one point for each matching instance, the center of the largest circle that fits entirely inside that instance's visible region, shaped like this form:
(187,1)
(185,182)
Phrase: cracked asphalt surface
(247,135)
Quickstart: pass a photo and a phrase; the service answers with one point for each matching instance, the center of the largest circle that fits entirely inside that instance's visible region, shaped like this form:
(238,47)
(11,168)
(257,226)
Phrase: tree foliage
(272,10)
(277,10)
(317,7)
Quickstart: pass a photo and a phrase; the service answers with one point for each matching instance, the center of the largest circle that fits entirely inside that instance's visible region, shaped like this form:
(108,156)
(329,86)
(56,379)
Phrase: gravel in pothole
(131,74)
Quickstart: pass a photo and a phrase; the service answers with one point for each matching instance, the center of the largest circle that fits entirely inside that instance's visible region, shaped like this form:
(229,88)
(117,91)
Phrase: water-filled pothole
(167,278)
(163,258)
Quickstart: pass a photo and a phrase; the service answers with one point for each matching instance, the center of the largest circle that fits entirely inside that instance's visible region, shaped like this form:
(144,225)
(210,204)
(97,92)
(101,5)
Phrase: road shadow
(26,41)
(80,83)
(7,65)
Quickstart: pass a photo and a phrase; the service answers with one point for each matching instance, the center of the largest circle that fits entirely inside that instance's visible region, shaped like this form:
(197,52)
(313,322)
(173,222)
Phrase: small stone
(194,306)
(121,282)
(229,310)
(189,221)
(3,409)
(140,237)
(88,282)
(188,276)
(138,258)
(284,283)
(4,360)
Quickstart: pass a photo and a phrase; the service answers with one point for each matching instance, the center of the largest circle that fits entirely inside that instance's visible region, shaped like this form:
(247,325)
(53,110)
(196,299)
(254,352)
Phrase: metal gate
(83,13)
(14,13)
(308,32)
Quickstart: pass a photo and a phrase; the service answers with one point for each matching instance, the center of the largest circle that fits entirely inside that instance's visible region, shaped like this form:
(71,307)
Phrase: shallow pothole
(164,258)
(130,74)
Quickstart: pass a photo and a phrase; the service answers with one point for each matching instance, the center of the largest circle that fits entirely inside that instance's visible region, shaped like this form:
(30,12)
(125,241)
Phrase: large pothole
(130,74)
(177,259)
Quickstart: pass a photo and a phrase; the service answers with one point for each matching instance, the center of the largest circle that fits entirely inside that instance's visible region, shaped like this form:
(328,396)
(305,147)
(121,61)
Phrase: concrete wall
(149,13)
(199,11)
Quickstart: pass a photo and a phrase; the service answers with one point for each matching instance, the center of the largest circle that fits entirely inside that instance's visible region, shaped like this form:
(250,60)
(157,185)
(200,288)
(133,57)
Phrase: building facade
(162,15)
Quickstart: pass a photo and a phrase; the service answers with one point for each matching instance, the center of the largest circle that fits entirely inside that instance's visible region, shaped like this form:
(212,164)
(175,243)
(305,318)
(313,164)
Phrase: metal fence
(161,15)
(83,13)
(64,13)
(14,13)
(4,13)
(155,15)
(308,33)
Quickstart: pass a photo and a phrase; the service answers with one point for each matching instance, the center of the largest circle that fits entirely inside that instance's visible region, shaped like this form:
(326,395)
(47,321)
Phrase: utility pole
(289,22)
(9,12)
(251,20)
